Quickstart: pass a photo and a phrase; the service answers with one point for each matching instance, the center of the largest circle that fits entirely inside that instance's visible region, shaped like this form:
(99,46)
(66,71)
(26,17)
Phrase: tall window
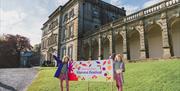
(63,51)
(65,18)
(71,13)
(53,24)
(71,30)
(42,45)
(55,38)
(46,45)
(95,12)
(64,34)
(70,51)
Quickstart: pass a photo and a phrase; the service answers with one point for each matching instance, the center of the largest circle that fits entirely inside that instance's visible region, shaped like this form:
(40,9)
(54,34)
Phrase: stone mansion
(84,29)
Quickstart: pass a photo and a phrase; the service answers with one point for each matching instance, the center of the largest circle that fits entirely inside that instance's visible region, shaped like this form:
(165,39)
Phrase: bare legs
(119,82)
(61,85)
(61,79)
(67,84)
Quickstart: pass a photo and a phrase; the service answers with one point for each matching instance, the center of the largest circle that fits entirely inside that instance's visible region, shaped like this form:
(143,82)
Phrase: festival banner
(96,70)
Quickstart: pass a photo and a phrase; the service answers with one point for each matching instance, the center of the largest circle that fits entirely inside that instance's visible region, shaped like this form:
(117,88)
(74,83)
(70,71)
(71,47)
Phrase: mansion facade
(84,29)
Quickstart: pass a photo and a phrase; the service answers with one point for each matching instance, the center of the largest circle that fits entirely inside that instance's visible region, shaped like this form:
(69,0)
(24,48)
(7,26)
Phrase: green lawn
(143,76)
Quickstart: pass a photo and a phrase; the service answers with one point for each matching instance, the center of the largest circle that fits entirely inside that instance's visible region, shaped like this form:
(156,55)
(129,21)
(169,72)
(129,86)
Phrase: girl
(119,68)
(62,71)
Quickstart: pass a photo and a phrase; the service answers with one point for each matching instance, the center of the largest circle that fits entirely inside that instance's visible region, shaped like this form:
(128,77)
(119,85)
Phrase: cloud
(151,2)
(129,8)
(61,2)
(25,18)
(135,7)
(11,17)
(15,22)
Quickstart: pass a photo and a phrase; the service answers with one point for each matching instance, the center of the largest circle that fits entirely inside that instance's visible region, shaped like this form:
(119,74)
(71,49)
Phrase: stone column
(140,29)
(165,36)
(100,47)
(124,35)
(111,42)
(90,48)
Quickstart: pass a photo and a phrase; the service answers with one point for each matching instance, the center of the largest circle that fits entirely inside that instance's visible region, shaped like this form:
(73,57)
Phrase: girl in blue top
(62,71)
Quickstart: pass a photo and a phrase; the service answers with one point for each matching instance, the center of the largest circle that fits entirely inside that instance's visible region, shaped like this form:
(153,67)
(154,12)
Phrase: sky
(26,17)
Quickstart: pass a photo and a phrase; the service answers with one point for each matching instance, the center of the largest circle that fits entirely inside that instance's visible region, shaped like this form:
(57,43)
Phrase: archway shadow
(7,87)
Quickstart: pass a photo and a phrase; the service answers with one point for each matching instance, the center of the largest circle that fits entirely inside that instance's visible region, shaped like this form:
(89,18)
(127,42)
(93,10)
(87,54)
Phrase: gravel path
(16,79)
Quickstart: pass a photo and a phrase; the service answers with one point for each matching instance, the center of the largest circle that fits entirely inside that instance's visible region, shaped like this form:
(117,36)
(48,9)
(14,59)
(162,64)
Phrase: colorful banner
(97,70)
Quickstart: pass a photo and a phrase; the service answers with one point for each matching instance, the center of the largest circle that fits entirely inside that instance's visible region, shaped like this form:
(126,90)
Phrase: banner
(96,70)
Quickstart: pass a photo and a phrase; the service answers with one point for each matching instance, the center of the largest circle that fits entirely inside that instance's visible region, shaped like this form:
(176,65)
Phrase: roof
(57,11)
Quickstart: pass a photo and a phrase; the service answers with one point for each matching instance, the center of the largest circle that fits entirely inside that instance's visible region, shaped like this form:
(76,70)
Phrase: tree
(35,58)
(10,49)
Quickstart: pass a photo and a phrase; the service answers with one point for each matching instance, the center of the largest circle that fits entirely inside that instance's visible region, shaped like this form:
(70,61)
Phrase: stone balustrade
(152,9)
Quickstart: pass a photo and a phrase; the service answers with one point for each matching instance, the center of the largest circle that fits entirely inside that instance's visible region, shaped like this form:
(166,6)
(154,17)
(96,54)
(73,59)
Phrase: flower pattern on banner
(97,70)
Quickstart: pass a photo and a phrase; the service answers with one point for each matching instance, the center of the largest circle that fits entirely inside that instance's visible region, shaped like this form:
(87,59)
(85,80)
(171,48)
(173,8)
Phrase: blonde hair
(64,58)
(119,56)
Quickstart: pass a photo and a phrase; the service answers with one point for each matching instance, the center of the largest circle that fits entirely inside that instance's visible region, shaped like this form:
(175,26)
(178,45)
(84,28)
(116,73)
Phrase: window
(95,12)
(49,41)
(71,30)
(64,34)
(70,51)
(55,38)
(52,39)
(65,18)
(56,23)
(53,24)
(45,43)
(71,14)
(42,45)
(63,52)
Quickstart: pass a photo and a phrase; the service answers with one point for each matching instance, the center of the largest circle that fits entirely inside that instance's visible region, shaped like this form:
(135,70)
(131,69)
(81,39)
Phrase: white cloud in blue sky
(26,17)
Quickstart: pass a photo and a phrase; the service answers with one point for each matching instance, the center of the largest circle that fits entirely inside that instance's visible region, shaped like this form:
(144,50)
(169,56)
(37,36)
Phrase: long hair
(119,56)
(64,58)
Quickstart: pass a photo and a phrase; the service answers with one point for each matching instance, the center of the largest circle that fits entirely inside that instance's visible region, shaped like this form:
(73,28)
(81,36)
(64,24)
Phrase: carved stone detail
(140,29)
(151,22)
(163,16)
(123,34)
(165,37)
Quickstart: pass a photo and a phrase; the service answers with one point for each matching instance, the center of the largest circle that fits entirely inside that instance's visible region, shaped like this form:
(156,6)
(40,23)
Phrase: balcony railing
(152,9)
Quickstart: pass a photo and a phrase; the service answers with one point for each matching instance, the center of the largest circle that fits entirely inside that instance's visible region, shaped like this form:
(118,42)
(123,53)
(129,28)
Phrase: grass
(143,76)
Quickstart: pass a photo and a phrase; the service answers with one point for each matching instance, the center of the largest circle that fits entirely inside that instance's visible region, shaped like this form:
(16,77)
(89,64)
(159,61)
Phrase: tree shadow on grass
(7,87)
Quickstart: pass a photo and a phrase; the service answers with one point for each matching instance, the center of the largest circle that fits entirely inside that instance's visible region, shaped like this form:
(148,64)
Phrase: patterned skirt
(63,76)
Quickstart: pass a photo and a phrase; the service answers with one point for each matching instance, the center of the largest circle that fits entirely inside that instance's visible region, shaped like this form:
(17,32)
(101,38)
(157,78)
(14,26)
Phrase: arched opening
(134,45)
(118,44)
(154,38)
(105,49)
(86,51)
(176,37)
(95,52)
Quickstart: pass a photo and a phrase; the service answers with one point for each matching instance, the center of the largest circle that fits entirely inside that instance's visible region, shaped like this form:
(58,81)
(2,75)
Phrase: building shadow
(7,87)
